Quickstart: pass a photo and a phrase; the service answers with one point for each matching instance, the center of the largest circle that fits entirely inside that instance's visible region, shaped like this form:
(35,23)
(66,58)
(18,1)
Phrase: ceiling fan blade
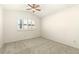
(29,9)
(30,5)
(34,5)
(37,6)
(33,11)
(38,9)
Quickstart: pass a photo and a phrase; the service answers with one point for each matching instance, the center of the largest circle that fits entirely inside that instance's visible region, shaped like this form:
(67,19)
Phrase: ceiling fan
(34,7)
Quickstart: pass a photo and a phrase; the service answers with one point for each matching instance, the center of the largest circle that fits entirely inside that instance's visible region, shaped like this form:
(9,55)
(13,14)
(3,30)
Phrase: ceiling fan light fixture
(34,7)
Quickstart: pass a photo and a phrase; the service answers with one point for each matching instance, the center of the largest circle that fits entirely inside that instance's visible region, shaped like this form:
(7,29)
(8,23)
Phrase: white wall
(1,26)
(62,27)
(10,26)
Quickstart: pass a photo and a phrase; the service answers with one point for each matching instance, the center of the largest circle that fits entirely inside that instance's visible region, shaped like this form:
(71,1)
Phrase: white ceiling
(46,9)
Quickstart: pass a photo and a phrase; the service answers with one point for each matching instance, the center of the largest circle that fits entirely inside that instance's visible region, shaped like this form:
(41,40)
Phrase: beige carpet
(37,46)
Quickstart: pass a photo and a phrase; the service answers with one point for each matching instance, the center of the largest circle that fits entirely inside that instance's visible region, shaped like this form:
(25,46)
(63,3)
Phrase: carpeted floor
(37,46)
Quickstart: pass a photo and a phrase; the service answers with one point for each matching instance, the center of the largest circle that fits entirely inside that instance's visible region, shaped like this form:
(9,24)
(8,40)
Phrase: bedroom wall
(62,27)
(1,26)
(10,26)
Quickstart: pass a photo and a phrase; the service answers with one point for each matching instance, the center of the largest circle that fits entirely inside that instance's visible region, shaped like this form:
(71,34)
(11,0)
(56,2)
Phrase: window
(26,24)
(20,24)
